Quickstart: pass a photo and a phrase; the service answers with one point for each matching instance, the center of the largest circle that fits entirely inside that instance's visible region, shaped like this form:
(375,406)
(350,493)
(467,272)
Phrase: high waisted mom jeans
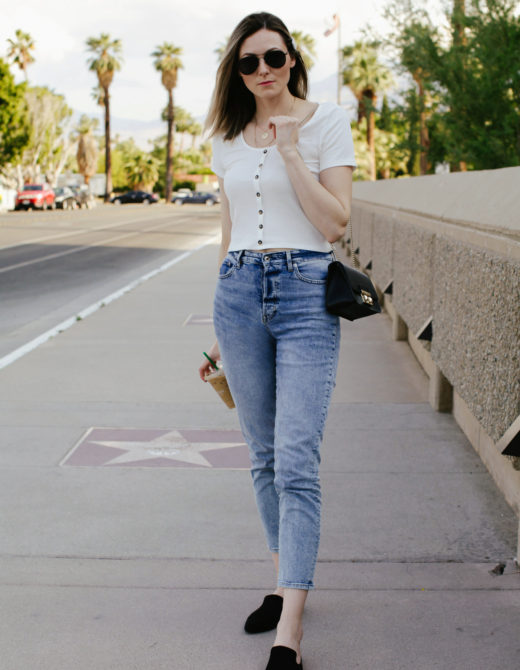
(280,347)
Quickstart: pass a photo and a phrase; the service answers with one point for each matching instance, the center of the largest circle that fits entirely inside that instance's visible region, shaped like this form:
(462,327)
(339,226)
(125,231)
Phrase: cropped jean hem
(296,585)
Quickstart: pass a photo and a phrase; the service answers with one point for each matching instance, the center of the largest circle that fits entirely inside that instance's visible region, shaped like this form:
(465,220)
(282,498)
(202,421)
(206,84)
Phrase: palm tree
(194,130)
(366,77)
(220,49)
(306,45)
(183,123)
(87,153)
(20,50)
(105,61)
(98,95)
(142,170)
(168,63)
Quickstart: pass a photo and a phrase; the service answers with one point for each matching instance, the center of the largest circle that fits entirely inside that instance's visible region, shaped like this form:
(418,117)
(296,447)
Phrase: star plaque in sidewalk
(150,448)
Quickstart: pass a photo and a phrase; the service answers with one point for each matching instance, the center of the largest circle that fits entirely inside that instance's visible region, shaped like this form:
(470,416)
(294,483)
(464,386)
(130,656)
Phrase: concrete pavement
(129,534)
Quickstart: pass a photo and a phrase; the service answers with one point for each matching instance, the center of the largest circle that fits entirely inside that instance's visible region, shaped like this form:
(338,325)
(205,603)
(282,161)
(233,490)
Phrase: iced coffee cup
(218,380)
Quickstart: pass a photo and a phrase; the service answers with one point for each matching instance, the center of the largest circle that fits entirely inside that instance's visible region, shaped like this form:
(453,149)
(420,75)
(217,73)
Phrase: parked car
(196,197)
(135,196)
(35,196)
(83,196)
(65,198)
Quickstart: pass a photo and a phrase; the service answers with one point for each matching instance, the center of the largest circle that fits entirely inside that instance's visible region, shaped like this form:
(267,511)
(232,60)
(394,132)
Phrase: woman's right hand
(206,366)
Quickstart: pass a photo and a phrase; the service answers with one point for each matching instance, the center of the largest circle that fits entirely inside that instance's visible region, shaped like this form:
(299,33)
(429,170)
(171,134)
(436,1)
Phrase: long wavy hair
(233,105)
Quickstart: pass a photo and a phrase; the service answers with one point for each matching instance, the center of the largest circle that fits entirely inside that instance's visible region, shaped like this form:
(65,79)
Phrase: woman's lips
(265,83)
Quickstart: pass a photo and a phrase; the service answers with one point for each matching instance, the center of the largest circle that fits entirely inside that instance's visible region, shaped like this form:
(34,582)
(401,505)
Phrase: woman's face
(266,82)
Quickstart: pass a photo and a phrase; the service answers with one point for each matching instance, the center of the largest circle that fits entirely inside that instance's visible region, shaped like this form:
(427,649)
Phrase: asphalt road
(53,264)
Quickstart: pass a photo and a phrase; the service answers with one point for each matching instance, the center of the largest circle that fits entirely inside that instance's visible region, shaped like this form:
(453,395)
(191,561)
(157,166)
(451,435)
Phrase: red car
(37,196)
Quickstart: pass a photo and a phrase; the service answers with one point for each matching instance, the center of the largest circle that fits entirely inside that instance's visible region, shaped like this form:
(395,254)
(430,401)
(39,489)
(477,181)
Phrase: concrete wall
(449,245)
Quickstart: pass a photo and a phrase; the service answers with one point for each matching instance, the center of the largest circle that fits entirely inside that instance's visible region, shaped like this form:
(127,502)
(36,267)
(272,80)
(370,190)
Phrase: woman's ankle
(292,630)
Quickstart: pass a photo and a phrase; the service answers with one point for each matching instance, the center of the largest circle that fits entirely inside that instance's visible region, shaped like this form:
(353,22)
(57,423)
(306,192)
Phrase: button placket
(258,190)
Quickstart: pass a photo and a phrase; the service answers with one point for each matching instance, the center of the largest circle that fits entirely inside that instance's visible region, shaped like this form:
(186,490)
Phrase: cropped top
(264,208)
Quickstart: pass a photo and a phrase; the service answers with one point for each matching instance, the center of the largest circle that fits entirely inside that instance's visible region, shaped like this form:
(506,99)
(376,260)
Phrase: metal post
(339,62)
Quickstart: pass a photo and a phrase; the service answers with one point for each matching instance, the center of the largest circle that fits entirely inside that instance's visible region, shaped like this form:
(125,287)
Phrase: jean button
(266,258)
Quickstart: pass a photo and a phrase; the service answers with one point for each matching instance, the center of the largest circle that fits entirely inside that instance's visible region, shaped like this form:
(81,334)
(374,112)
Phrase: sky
(61,27)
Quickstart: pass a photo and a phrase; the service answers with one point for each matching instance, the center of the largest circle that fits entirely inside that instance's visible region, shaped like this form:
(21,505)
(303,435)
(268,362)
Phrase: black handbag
(350,293)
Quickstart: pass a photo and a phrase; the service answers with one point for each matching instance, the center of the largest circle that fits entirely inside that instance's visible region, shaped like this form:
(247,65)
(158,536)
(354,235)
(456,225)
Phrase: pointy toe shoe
(283,658)
(266,617)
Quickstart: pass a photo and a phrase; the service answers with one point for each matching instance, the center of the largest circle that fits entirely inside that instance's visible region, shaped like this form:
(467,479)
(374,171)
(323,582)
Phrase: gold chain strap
(355,260)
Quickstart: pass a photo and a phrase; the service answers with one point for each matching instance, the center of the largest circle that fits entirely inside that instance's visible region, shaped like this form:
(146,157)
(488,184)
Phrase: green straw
(211,360)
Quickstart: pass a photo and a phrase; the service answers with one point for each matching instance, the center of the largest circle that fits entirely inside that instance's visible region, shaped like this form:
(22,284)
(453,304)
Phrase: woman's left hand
(285,132)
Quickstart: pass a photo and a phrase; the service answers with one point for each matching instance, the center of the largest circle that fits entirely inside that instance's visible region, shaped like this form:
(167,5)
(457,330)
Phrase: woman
(284,166)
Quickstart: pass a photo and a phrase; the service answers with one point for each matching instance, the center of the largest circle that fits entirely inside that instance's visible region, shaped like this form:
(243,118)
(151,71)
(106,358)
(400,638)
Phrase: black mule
(266,617)
(283,658)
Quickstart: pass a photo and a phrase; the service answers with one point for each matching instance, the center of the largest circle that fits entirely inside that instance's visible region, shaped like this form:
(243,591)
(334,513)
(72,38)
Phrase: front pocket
(312,272)
(227,268)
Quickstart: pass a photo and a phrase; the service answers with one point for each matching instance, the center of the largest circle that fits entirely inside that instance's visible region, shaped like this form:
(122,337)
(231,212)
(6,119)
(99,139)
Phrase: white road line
(65,325)
(72,233)
(40,259)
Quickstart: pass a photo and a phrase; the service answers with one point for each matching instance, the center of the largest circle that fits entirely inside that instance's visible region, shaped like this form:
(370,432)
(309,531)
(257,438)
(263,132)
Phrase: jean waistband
(260,257)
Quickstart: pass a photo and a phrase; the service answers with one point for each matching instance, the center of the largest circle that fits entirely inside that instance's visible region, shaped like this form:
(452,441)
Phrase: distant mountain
(140,131)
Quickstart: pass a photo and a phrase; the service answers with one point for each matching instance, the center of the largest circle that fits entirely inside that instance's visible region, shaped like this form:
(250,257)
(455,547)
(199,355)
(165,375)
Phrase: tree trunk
(459,12)
(371,128)
(108,156)
(169,149)
(424,138)
(459,39)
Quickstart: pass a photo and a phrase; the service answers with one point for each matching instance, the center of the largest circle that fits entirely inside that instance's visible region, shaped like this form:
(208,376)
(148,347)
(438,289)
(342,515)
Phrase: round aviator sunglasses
(274,58)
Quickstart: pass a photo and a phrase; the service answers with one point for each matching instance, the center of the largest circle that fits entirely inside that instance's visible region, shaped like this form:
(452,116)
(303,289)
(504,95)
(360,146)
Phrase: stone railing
(444,253)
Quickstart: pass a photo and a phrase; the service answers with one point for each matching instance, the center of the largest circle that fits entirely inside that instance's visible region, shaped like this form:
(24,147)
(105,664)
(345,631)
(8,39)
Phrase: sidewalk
(109,565)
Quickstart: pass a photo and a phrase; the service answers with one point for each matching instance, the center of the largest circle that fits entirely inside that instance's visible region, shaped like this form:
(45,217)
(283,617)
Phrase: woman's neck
(283,104)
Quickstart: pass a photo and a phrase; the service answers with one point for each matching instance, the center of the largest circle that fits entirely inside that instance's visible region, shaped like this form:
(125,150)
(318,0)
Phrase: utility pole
(337,26)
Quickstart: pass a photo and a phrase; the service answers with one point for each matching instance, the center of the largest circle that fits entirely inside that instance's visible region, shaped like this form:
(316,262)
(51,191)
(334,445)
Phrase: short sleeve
(336,144)
(216,159)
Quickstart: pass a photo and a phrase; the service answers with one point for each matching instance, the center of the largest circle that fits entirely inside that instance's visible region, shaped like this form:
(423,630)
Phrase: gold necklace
(265,133)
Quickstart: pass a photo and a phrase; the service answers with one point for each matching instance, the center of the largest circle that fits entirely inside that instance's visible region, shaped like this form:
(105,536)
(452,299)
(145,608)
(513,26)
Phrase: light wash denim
(279,347)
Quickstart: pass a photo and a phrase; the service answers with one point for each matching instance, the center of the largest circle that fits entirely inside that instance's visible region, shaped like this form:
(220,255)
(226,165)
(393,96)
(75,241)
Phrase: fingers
(285,129)
(204,370)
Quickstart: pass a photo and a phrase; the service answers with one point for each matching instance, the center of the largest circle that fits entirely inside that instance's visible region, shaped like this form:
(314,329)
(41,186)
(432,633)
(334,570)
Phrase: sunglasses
(274,58)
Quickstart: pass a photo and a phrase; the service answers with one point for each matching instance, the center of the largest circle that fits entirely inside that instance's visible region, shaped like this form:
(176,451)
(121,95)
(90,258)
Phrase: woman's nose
(262,66)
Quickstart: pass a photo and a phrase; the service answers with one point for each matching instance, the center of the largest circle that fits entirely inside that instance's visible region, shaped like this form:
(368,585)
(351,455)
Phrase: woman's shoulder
(331,112)
(220,143)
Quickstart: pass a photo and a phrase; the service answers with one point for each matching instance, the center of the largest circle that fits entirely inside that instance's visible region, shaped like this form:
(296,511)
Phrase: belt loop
(289,260)
(239,258)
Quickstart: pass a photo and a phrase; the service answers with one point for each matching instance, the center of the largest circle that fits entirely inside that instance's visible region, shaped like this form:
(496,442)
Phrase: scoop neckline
(272,146)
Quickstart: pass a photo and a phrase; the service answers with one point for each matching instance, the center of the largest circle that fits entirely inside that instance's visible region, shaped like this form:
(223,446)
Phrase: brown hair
(233,105)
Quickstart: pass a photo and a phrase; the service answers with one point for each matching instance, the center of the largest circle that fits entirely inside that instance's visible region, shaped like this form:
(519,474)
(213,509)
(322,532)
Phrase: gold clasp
(366,297)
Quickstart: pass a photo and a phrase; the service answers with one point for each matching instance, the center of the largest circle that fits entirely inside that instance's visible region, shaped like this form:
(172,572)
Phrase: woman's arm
(214,352)
(326,202)
(225,222)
